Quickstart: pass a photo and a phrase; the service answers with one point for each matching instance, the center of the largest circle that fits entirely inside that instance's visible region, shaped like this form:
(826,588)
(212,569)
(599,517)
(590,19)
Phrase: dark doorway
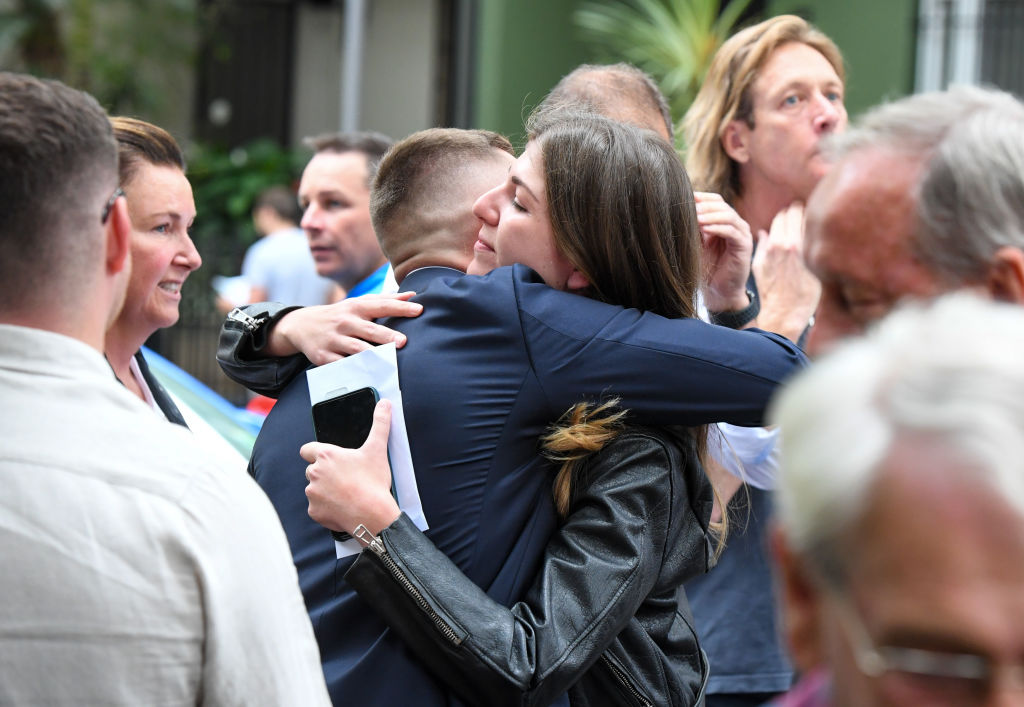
(244,75)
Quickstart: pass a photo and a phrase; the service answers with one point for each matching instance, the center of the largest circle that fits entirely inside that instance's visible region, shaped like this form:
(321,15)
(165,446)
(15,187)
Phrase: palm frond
(673,40)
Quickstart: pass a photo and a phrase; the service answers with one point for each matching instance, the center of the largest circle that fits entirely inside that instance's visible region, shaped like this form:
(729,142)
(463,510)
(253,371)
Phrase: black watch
(741,317)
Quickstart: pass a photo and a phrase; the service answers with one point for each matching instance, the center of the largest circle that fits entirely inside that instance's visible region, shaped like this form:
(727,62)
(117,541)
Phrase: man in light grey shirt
(279,266)
(135,572)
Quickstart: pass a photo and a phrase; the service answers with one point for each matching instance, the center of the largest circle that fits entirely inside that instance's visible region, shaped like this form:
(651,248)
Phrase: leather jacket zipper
(251,324)
(624,680)
(376,545)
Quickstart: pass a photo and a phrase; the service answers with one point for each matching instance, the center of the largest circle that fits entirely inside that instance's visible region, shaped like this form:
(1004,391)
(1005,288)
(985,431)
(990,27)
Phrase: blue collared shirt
(371,284)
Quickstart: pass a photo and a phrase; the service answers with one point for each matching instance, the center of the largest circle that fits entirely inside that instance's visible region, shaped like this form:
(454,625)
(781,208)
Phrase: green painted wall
(877,38)
(523,47)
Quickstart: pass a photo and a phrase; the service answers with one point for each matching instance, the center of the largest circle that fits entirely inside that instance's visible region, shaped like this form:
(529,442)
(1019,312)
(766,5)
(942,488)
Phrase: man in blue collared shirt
(334,195)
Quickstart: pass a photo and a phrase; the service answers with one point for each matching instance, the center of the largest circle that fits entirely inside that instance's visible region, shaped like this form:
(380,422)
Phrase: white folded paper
(378,368)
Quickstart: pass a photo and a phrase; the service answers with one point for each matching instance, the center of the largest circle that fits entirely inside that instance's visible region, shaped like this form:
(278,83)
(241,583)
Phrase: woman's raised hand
(327,332)
(727,249)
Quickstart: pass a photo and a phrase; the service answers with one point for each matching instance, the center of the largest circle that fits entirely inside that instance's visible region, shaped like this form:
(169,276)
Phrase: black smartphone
(345,420)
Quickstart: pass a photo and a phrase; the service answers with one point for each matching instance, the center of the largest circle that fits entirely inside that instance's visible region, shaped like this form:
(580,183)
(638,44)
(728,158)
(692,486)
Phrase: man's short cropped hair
(58,168)
(415,177)
(948,373)
(619,91)
(725,96)
(970,195)
(371,144)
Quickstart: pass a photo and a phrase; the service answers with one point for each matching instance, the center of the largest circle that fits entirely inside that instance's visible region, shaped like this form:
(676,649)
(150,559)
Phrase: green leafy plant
(134,56)
(673,40)
(225,183)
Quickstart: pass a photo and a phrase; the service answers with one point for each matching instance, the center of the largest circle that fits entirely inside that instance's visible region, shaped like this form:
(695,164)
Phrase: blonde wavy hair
(725,96)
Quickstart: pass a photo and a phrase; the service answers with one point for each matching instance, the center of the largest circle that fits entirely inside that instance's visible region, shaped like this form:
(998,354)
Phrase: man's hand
(349,487)
(727,249)
(789,292)
(327,332)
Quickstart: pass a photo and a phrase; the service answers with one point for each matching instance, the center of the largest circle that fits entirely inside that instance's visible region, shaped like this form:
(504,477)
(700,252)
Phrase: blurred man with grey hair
(926,195)
(900,512)
(901,564)
(619,91)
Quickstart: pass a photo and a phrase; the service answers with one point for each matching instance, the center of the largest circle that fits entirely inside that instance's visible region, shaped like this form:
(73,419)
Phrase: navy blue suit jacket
(488,365)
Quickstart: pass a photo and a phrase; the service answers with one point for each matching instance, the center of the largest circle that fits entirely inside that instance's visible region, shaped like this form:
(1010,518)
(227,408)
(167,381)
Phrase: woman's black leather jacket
(605,619)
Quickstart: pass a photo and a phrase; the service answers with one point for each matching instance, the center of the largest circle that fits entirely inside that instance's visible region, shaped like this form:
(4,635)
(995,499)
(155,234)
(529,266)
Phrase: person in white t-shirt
(279,266)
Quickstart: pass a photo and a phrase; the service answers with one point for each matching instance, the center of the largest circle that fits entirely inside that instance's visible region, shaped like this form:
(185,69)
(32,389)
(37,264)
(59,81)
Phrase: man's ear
(577,281)
(736,141)
(1005,278)
(800,603)
(118,238)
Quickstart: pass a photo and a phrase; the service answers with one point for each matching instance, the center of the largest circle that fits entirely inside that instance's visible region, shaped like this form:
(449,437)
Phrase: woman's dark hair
(622,210)
(141,142)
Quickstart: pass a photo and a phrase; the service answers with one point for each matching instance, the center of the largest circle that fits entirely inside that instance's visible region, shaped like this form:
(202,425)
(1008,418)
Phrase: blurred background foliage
(672,40)
(143,58)
(138,58)
(129,54)
(225,183)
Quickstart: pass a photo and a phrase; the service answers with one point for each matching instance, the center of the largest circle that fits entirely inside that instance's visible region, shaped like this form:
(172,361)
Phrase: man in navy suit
(488,365)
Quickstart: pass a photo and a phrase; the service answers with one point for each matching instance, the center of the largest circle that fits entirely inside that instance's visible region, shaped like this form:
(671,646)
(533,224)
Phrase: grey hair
(970,198)
(950,373)
(619,91)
